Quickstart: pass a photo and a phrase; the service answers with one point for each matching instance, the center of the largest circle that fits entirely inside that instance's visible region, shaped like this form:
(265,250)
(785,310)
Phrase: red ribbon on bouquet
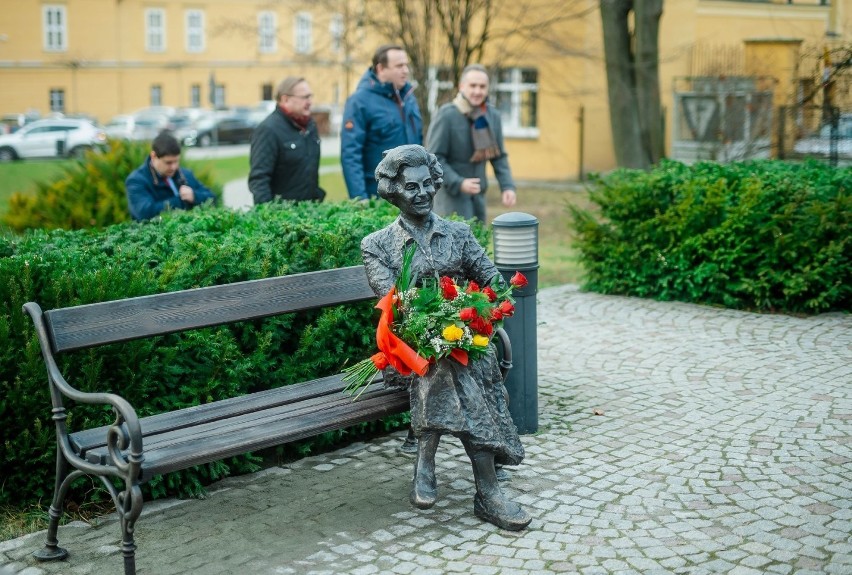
(394,351)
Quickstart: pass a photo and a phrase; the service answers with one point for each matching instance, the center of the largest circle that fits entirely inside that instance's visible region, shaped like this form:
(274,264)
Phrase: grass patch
(22,177)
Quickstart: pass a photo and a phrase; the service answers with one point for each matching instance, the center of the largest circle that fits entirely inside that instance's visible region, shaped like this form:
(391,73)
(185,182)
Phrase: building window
(515,94)
(219,96)
(195,95)
(155,30)
(335,30)
(57,100)
(194,31)
(304,33)
(55,28)
(267,32)
(441,87)
(156,95)
(266,92)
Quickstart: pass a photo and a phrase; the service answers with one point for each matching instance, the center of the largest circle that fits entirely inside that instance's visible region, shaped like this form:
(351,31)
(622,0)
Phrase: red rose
(482,325)
(496,314)
(506,308)
(448,288)
(467,314)
(472,287)
(518,280)
(492,296)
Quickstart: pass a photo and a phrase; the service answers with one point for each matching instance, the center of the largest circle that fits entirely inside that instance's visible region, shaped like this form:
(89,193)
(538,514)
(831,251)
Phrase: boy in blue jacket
(160,183)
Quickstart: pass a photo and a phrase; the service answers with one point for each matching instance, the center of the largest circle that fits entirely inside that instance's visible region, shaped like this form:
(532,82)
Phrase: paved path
(723,444)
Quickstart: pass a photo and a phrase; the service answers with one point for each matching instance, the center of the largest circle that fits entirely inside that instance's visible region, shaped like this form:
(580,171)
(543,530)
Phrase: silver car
(54,138)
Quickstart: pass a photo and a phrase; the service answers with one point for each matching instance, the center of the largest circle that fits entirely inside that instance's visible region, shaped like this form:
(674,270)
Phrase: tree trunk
(647,15)
(633,84)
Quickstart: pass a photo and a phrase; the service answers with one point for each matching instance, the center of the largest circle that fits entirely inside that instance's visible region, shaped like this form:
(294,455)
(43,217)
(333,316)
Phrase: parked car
(65,137)
(820,144)
(222,129)
(127,127)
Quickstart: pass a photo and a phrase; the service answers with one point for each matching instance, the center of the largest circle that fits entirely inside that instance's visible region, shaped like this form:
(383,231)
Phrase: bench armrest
(124,433)
(506,359)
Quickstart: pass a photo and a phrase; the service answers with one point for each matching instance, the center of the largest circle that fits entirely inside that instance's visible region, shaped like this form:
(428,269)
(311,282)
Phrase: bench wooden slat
(182,448)
(182,455)
(89,439)
(123,320)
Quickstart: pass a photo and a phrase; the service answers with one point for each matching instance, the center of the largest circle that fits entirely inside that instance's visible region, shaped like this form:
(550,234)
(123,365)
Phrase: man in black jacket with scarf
(285,148)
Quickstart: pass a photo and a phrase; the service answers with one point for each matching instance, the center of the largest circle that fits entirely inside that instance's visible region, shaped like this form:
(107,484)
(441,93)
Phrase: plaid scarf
(485,146)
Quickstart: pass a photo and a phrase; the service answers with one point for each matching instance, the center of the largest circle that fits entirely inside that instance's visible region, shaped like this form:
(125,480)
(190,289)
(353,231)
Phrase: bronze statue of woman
(466,401)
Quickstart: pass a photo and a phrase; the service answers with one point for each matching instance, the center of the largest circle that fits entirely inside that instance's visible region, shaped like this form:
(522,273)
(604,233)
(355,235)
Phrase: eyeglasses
(307,97)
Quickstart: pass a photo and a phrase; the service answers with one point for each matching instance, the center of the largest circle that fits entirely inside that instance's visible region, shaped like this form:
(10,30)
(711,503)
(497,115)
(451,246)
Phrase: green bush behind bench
(182,250)
(764,236)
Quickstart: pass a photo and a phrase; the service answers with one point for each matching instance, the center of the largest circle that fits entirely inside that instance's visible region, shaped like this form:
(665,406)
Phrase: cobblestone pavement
(673,439)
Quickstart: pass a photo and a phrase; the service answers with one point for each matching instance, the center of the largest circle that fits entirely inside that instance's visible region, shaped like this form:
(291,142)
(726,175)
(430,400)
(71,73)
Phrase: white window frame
(303,32)
(196,37)
(54,19)
(219,96)
(155,35)
(512,127)
(435,86)
(267,32)
(195,95)
(57,99)
(336,29)
(155,94)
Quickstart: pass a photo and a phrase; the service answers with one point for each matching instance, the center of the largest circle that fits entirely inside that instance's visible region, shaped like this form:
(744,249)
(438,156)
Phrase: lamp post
(516,249)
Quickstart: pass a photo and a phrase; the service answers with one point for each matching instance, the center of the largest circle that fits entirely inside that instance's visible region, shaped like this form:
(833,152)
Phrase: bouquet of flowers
(439,318)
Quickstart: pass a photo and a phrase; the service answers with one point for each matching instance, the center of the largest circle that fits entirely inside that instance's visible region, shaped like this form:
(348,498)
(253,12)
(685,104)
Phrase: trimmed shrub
(764,236)
(181,250)
(89,193)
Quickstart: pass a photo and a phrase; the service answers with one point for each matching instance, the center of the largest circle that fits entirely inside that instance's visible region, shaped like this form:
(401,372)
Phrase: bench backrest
(133,318)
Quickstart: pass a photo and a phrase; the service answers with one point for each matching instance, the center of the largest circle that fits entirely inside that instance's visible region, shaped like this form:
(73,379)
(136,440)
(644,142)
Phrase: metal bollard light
(516,249)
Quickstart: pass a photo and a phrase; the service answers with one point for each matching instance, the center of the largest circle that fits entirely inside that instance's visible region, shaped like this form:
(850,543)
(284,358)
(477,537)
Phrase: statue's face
(417,191)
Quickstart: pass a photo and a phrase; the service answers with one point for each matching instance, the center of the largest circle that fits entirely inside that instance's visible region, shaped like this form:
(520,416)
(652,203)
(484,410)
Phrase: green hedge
(202,247)
(764,236)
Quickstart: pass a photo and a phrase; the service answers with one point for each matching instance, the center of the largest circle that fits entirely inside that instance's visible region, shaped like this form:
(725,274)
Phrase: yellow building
(106,57)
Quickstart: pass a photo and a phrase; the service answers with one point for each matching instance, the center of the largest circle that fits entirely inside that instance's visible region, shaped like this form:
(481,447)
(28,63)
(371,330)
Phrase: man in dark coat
(465,135)
(380,115)
(161,184)
(285,148)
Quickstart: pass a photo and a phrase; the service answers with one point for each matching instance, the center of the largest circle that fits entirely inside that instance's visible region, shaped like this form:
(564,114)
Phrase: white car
(55,138)
(820,144)
(145,127)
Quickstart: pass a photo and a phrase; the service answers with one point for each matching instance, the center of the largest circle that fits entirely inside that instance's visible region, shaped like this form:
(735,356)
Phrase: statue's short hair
(389,169)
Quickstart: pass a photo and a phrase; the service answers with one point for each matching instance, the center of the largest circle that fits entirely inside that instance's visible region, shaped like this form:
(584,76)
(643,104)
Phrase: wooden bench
(135,449)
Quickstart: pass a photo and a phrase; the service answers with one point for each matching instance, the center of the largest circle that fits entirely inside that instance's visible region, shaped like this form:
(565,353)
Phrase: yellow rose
(452,333)
(480,340)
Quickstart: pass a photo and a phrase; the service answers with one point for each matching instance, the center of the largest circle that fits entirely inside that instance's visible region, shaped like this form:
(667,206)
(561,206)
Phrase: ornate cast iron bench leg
(51,550)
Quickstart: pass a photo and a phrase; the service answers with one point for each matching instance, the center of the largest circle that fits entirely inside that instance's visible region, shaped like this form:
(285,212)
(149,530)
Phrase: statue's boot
(424,489)
(490,504)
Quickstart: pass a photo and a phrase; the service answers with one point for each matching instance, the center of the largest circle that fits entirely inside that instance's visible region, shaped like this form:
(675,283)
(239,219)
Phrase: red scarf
(300,122)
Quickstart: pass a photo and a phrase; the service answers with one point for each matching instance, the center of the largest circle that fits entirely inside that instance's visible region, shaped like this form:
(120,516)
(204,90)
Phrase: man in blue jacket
(382,114)
(160,183)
